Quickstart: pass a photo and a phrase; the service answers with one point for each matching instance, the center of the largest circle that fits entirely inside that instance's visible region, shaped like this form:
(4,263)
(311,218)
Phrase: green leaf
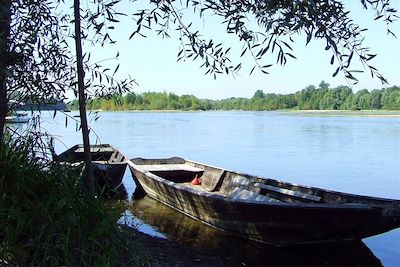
(112,20)
(290,55)
(238,67)
(371,56)
(336,72)
(252,70)
(116,69)
(287,45)
(243,52)
(265,72)
(309,36)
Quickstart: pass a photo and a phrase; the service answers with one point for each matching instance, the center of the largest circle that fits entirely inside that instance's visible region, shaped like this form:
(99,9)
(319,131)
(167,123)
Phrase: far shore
(363,113)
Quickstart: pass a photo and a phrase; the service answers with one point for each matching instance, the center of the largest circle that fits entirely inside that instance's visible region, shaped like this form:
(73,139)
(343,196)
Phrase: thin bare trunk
(82,98)
(5,21)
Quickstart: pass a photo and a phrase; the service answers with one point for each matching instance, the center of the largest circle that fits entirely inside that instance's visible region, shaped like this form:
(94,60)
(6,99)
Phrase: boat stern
(391,215)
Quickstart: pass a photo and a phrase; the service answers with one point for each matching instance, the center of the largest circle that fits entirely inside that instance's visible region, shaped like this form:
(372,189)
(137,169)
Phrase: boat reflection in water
(236,251)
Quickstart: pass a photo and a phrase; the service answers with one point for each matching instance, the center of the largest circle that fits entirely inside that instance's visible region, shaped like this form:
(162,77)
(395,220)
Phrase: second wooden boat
(109,164)
(262,209)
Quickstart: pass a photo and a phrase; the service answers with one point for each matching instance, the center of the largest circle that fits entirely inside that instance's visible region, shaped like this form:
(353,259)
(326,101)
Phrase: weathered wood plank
(288,192)
(243,194)
(170,167)
(212,180)
(95,149)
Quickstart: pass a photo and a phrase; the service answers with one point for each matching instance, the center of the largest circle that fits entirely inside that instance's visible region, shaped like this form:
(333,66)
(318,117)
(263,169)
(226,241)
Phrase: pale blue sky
(152,61)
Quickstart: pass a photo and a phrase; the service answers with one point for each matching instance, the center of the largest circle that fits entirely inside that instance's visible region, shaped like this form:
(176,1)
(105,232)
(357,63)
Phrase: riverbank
(335,113)
(163,252)
(363,113)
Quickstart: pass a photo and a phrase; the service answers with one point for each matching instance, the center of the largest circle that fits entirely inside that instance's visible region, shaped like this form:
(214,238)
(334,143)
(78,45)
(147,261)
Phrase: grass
(47,218)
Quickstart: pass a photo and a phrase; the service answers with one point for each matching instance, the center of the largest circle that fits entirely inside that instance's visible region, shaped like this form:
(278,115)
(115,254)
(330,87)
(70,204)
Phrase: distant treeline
(311,98)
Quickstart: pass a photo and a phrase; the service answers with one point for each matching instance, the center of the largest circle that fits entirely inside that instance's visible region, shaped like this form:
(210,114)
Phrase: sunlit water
(347,153)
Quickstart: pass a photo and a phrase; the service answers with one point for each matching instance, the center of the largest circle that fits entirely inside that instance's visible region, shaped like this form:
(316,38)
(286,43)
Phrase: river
(355,154)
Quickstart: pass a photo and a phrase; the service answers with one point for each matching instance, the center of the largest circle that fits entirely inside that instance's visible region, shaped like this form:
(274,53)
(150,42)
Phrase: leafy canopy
(38,58)
(267,27)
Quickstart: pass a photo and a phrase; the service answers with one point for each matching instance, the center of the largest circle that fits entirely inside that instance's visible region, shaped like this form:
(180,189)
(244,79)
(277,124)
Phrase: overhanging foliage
(267,27)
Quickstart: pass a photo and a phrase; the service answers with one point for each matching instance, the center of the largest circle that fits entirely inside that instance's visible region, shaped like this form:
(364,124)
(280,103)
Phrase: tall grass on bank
(48,219)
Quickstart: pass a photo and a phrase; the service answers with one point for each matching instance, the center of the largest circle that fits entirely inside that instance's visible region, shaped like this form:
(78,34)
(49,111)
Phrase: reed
(48,219)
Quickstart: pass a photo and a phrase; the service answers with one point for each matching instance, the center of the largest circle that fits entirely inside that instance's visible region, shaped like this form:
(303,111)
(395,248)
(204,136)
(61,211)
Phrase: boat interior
(232,185)
(100,154)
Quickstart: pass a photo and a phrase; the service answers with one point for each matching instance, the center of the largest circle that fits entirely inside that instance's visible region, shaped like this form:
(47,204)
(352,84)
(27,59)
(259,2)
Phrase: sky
(152,61)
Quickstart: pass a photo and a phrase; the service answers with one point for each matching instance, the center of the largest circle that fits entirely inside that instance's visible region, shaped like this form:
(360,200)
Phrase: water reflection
(237,251)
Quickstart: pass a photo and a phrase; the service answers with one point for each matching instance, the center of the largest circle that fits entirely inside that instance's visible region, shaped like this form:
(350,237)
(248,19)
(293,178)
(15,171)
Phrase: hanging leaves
(325,19)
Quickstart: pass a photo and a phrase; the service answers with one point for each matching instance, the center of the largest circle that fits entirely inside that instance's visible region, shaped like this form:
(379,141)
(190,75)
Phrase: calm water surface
(348,153)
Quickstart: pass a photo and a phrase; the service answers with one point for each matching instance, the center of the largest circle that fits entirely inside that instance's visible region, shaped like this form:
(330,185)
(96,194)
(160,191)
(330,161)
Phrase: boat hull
(109,164)
(273,223)
(18,117)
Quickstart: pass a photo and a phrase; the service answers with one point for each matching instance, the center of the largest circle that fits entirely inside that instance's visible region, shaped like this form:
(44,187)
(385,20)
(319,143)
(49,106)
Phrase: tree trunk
(82,98)
(5,22)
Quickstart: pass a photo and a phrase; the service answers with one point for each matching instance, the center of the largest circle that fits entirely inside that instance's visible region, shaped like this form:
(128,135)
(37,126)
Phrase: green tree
(129,100)
(376,96)
(139,102)
(365,101)
(34,57)
(391,98)
(185,102)
(258,94)
(35,62)
(303,98)
(319,95)
(173,101)
(335,98)
(206,104)
(82,96)
(5,21)
(340,97)
(358,101)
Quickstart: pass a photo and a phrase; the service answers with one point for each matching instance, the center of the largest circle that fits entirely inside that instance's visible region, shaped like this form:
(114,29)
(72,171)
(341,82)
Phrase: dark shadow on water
(237,251)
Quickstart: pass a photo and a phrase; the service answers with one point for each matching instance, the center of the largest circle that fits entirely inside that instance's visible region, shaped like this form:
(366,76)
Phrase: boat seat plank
(243,194)
(117,157)
(241,181)
(212,181)
(95,150)
(170,167)
(288,192)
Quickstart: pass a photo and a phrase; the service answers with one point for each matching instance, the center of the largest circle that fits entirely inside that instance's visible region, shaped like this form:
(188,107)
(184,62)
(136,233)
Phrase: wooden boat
(18,117)
(182,229)
(109,164)
(262,209)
